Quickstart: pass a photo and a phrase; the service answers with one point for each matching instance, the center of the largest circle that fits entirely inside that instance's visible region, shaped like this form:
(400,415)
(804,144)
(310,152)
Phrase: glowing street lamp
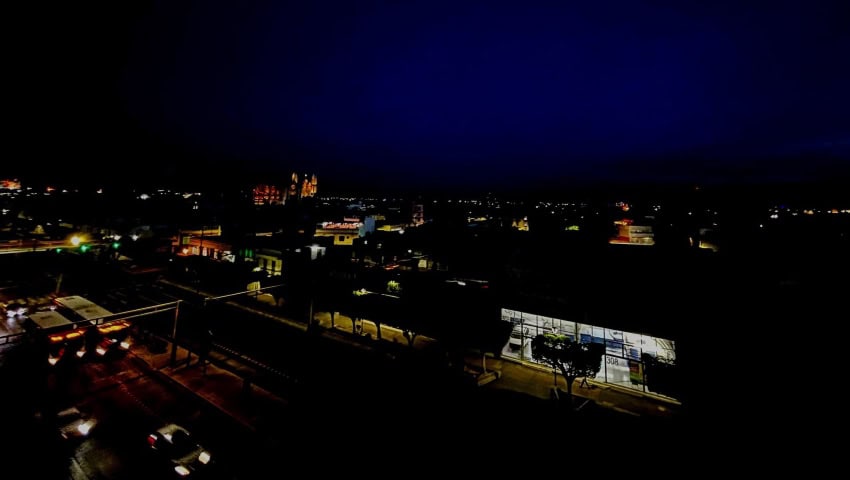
(75,240)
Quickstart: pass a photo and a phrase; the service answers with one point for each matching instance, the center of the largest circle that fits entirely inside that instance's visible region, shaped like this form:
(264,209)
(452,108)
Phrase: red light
(151,440)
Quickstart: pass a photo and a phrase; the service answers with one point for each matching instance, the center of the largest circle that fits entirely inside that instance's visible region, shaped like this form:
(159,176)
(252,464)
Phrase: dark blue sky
(438,93)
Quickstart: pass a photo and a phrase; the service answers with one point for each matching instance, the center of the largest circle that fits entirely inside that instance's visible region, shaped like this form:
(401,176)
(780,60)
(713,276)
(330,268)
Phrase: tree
(662,376)
(574,360)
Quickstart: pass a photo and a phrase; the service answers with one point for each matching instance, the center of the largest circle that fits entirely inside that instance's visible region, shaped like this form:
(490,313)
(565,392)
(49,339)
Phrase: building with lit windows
(520,224)
(306,187)
(309,186)
(10,184)
(269,260)
(623,362)
(418,215)
(343,233)
(630,234)
(204,242)
(268,195)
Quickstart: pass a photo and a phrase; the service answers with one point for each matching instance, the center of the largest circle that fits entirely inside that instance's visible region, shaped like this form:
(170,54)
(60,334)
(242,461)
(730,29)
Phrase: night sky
(491,94)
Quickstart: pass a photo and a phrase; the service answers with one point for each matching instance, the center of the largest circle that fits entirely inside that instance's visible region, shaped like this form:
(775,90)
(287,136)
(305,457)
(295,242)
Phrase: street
(128,402)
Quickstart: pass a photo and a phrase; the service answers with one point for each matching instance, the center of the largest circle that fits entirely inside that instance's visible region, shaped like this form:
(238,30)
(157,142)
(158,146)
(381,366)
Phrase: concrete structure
(268,195)
(623,362)
(269,260)
(205,242)
(343,233)
(630,234)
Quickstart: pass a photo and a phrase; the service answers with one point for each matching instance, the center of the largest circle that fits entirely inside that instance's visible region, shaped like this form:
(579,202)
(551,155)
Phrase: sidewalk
(531,380)
(261,410)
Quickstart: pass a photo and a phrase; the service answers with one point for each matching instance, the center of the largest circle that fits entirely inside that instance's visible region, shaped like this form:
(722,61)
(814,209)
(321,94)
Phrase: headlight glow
(85,427)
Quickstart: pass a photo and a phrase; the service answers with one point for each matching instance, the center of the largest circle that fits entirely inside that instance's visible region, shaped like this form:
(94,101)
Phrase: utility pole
(174,334)
(201,254)
(201,247)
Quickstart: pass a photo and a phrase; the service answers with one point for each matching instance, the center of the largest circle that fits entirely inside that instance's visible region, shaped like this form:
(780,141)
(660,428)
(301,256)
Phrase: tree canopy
(573,359)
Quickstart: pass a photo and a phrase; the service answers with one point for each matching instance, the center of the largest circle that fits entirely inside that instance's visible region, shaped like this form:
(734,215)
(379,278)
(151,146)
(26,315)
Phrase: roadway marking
(257,363)
(138,401)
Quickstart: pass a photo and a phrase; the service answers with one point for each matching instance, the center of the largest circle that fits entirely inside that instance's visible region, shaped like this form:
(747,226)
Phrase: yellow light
(113,327)
(75,240)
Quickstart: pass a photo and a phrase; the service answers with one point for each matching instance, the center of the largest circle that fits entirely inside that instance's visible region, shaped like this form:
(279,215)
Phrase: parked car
(176,446)
(518,338)
(71,423)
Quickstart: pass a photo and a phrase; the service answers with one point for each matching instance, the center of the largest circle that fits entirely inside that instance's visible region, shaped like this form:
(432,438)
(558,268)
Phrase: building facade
(622,363)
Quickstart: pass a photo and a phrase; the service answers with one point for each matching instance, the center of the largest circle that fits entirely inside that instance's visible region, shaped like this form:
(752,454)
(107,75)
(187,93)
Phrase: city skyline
(423,96)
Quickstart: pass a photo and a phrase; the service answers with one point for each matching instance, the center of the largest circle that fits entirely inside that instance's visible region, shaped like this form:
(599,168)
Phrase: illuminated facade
(205,242)
(309,187)
(622,363)
(268,195)
(418,215)
(630,234)
(292,191)
(343,233)
(10,184)
(306,188)
(520,224)
(269,260)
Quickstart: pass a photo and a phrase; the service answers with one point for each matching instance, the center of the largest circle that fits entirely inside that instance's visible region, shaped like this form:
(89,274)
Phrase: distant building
(270,260)
(268,195)
(623,362)
(343,233)
(274,260)
(10,184)
(630,234)
(391,228)
(368,225)
(520,224)
(205,242)
(418,215)
(307,187)
(292,192)
(316,251)
(707,239)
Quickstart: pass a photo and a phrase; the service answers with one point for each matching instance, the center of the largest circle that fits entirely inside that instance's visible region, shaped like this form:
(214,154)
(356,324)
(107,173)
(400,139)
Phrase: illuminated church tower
(418,215)
(306,188)
(292,191)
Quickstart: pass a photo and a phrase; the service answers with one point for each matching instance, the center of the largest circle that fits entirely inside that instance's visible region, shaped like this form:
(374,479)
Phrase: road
(343,397)
(129,401)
